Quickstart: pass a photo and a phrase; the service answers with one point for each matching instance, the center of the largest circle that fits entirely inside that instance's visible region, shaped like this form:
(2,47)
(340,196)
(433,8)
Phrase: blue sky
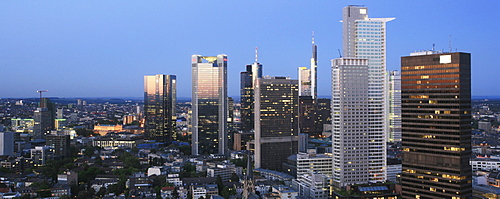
(104,48)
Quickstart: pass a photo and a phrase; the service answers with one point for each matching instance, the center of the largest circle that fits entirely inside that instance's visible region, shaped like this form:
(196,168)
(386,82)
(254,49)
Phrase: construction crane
(41,96)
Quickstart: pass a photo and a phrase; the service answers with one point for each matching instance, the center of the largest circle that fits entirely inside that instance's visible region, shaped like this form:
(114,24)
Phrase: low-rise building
(312,184)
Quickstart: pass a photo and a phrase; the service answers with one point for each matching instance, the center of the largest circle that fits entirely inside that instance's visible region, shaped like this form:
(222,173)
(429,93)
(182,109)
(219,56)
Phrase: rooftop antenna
(433,46)
(41,96)
(313,37)
(449,43)
(256,54)
(340,55)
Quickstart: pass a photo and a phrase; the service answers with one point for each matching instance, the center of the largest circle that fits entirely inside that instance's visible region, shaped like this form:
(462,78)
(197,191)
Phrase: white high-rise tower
(364,38)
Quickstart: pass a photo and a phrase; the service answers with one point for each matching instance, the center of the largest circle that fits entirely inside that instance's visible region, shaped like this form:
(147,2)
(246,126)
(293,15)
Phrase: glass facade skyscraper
(276,121)
(247,81)
(209,104)
(436,125)
(160,96)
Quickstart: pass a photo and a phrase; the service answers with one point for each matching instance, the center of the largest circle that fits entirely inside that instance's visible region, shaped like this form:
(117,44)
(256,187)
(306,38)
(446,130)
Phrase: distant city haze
(105,48)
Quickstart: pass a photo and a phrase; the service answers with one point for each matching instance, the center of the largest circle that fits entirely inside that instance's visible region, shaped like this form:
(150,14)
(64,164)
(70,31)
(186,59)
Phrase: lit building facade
(247,79)
(276,121)
(351,139)
(160,96)
(436,125)
(209,104)
(365,38)
(394,92)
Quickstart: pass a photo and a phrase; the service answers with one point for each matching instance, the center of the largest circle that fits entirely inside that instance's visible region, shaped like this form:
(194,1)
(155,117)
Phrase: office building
(44,118)
(248,77)
(6,143)
(276,121)
(60,144)
(323,115)
(308,79)
(159,107)
(307,115)
(41,154)
(436,125)
(209,104)
(42,124)
(394,130)
(351,136)
(365,38)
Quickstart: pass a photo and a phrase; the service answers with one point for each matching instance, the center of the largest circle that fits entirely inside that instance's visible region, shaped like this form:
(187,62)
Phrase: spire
(256,54)
(313,37)
(249,167)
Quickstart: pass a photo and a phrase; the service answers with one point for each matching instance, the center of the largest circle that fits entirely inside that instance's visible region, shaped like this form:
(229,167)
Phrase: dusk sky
(104,48)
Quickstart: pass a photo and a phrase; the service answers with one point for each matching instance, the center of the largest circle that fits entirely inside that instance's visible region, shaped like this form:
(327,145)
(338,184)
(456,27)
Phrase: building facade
(209,104)
(365,38)
(247,81)
(351,138)
(436,125)
(394,130)
(160,96)
(276,121)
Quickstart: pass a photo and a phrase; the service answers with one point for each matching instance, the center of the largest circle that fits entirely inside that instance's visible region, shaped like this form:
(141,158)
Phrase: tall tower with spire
(314,66)
(247,82)
(308,77)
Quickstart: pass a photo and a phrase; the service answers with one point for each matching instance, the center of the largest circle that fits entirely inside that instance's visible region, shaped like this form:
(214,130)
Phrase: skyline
(104,49)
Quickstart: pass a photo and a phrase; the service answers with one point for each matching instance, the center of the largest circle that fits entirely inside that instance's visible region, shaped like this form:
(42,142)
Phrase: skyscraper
(351,136)
(7,143)
(247,79)
(159,107)
(365,38)
(308,85)
(394,91)
(44,118)
(276,121)
(436,125)
(209,104)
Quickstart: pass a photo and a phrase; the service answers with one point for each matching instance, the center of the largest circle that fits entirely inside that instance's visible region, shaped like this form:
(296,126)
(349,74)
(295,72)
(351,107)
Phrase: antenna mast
(256,54)
(41,96)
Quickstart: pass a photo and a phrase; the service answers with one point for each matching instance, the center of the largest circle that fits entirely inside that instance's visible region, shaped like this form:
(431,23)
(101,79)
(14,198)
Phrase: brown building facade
(436,125)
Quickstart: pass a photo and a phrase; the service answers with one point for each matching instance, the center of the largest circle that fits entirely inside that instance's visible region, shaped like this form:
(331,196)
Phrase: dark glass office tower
(247,79)
(44,118)
(436,125)
(159,107)
(209,104)
(276,121)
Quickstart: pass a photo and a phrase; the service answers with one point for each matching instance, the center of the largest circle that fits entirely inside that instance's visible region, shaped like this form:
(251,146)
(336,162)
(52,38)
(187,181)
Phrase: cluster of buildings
(348,146)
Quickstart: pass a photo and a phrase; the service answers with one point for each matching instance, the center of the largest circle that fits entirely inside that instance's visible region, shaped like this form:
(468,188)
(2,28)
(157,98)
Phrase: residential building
(60,144)
(276,121)
(209,104)
(365,38)
(160,96)
(436,125)
(40,155)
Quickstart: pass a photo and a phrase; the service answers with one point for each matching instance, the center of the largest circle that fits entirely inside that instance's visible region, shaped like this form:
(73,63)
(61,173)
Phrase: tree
(234,177)
(220,184)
